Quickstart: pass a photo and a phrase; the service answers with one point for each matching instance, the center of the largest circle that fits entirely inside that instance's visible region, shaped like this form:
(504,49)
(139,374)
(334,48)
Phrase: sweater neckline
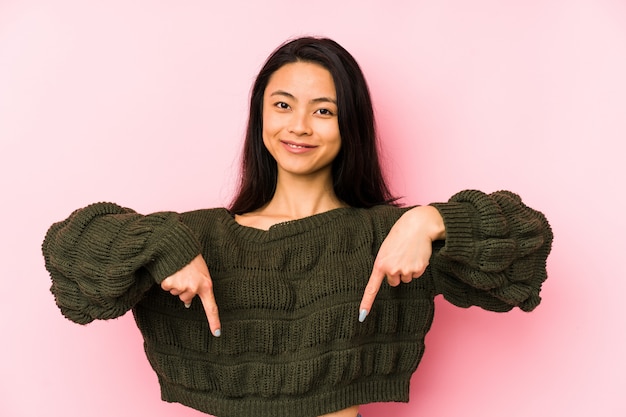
(286,228)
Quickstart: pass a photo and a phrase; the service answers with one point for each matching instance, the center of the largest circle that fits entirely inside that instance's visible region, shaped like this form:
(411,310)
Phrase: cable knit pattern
(289,297)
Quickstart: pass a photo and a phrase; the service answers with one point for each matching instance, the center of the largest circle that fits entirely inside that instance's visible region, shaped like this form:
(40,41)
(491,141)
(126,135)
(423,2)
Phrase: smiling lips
(294,147)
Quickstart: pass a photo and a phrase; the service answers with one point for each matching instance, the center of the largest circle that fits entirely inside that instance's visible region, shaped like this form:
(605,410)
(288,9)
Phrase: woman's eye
(324,112)
(282,105)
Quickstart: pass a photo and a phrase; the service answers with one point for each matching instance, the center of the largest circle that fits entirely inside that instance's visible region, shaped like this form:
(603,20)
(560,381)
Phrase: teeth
(291,145)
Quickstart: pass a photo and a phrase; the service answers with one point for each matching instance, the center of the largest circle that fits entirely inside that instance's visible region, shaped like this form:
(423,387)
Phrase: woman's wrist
(428,219)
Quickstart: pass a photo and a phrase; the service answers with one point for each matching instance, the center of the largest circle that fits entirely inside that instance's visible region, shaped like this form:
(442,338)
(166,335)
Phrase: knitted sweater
(291,342)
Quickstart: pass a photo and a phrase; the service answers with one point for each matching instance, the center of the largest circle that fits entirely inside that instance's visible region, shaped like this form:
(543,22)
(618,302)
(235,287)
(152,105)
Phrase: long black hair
(357,176)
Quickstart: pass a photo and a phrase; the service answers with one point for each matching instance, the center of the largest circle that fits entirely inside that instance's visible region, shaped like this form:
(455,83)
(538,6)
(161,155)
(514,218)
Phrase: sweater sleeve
(104,257)
(495,251)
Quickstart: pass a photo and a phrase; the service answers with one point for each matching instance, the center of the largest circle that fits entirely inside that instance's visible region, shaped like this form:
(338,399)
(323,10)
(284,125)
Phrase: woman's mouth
(297,147)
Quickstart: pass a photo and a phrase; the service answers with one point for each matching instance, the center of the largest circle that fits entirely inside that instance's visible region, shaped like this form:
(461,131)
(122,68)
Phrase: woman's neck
(302,196)
(294,198)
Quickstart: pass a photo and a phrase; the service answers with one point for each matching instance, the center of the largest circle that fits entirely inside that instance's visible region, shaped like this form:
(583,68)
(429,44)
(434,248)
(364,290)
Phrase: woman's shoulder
(380,218)
(386,209)
(383,211)
(208,212)
(211,214)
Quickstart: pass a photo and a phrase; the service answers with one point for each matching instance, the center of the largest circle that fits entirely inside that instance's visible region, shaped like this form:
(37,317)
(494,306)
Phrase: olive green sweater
(291,341)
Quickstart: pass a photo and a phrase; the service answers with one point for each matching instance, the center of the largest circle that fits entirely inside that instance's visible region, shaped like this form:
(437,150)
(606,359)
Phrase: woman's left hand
(405,252)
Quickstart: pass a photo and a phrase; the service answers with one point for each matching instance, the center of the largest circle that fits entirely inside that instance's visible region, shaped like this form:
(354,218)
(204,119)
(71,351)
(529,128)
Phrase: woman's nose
(300,124)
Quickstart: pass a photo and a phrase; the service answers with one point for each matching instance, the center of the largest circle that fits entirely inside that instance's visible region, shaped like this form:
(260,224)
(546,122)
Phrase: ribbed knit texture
(291,342)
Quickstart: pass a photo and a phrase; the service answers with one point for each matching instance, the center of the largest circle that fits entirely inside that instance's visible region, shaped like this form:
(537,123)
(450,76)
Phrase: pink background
(144,103)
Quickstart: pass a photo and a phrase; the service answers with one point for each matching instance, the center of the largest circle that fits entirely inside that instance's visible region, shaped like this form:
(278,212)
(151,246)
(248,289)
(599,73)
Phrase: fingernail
(362,315)
(217,333)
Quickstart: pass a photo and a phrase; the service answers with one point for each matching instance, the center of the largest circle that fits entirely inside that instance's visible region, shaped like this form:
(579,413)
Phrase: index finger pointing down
(211,310)
(369,295)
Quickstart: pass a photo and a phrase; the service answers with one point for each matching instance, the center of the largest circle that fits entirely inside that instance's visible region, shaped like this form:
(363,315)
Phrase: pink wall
(144,103)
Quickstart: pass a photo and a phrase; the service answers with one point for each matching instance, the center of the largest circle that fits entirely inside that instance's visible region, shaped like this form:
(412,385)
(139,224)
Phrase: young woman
(317,289)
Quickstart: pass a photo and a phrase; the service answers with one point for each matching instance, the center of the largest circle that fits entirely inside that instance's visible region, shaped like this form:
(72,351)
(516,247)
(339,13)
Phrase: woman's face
(300,125)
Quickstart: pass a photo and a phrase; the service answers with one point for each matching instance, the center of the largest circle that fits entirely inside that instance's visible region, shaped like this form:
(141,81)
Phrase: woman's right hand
(194,279)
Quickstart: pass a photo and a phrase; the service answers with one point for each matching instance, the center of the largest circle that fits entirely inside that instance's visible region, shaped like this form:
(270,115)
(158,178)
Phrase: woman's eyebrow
(324,100)
(283,93)
(315,100)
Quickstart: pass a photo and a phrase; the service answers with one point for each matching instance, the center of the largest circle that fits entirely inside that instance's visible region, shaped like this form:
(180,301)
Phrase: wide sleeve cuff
(495,251)
(103,258)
